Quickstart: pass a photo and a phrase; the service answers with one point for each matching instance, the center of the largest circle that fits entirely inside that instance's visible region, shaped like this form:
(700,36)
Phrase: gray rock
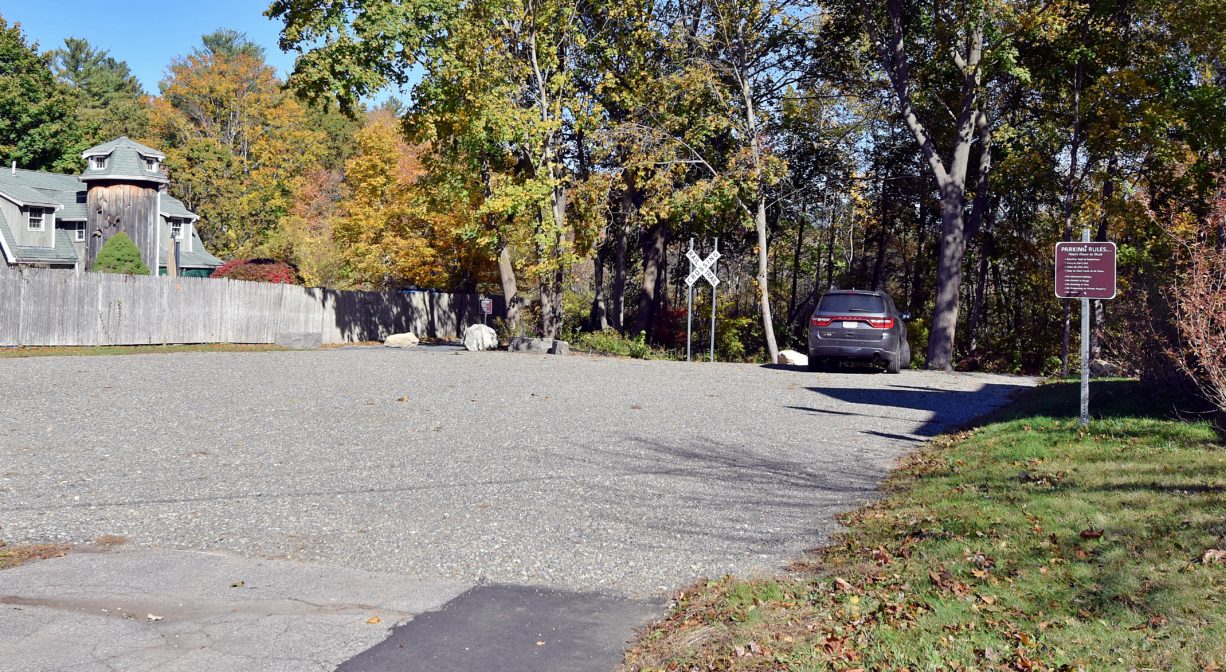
(792,358)
(538,346)
(1101,368)
(479,337)
(405,340)
(299,340)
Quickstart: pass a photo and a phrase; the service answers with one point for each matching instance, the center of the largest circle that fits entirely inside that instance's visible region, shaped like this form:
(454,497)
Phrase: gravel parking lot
(619,476)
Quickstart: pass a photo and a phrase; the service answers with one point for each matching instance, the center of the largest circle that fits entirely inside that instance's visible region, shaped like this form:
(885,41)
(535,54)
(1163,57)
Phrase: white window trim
(179,223)
(78,232)
(97,162)
(152,165)
(42,219)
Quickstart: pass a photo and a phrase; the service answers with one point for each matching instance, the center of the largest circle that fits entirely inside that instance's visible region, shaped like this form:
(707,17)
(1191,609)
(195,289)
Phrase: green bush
(612,343)
(119,255)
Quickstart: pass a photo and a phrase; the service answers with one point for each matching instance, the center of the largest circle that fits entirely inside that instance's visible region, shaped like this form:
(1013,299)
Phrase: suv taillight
(874,322)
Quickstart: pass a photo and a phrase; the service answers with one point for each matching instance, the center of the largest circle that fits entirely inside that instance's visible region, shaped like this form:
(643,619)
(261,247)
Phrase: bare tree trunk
(619,279)
(800,238)
(981,280)
(653,242)
(1070,196)
(510,294)
(598,320)
(764,299)
(950,179)
(1100,307)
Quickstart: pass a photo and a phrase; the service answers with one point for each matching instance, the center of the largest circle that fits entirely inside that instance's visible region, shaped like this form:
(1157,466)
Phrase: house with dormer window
(61,221)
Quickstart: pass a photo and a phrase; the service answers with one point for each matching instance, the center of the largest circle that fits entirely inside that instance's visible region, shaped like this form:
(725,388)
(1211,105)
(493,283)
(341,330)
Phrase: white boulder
(479,337)
(405,340)
(792,358)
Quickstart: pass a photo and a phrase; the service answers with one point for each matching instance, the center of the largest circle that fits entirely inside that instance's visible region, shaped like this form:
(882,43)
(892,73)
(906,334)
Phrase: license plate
(851,325)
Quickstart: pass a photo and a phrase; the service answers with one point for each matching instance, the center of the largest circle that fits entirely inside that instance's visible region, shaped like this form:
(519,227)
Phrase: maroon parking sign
(1085,270)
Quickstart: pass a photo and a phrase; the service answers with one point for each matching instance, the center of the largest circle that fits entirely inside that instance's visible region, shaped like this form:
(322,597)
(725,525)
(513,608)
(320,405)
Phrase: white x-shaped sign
(702,268)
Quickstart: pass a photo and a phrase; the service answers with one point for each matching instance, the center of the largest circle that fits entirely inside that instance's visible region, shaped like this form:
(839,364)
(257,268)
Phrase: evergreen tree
(110,100)
(119,255)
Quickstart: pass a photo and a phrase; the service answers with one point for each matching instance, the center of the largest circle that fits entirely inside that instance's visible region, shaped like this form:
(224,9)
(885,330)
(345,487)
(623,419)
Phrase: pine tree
(119,255)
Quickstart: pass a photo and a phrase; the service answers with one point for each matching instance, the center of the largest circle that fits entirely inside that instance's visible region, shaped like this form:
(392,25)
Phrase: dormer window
(176,229)
(97,162)
(151,164)
(36,219)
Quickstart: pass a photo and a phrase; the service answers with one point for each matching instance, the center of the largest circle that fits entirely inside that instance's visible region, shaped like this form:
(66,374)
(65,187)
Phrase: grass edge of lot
(108,350)
(1024,543)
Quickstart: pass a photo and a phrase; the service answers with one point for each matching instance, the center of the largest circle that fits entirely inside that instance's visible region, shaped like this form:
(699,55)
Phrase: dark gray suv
(858,325)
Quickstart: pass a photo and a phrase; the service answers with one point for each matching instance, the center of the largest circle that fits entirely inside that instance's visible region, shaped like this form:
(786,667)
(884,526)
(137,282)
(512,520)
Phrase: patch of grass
(19,554)
(610,342)
(97,350)
(1024,544)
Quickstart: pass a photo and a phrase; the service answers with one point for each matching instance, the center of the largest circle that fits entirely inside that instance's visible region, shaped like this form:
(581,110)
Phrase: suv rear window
(851,303)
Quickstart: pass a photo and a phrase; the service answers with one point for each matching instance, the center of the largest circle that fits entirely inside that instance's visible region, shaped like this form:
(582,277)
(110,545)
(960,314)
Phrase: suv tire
(895,363)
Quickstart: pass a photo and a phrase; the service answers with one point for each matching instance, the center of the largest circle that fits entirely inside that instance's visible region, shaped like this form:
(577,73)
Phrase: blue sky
(146,34)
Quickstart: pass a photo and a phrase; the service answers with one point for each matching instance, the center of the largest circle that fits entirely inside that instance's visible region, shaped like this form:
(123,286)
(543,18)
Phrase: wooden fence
(56,307)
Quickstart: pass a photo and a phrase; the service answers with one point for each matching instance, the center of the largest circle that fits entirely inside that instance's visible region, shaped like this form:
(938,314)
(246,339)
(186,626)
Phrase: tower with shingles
(124,182)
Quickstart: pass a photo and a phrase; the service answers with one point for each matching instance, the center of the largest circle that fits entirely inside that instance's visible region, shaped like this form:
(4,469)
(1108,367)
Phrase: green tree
(119,255)
(110,100)
(38,120)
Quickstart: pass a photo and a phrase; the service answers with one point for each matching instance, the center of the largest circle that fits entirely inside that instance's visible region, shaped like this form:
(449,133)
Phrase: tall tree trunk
(598,320)
(653,241)
(1100,307)
(981,280)
(800,238)
(764,299)
(759,218)
(510,293)
(1070,196)
(950,179)
(619,279)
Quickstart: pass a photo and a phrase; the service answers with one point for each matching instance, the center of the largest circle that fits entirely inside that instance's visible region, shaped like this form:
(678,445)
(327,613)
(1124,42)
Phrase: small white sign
(702,268)
(487,306)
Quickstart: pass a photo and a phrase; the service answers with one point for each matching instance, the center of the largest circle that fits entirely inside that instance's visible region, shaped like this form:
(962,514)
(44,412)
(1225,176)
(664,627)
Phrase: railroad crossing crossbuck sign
(702,268)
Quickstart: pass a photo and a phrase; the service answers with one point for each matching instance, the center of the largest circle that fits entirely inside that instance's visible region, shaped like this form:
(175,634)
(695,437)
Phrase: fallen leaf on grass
(843,585)
(1214,556)
(1091,534)
(374,620)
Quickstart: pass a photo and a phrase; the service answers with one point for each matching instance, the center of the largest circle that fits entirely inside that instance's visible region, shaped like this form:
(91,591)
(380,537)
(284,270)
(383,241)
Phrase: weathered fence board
(55,307)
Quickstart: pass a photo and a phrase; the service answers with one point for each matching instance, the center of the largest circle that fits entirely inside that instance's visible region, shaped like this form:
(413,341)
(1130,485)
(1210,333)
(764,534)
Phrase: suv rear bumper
(851,352)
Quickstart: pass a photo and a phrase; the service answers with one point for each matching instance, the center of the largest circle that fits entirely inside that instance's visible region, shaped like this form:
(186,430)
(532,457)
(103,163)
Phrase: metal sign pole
(714,303)
(1085,350)
(689,314)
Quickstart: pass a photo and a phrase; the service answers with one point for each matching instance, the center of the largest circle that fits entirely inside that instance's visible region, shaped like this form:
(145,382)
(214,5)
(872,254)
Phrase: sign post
(487,308)
(700,268)
(1085,270)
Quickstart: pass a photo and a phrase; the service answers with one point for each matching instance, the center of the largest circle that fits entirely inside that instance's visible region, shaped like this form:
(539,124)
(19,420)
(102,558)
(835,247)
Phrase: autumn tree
(236,143)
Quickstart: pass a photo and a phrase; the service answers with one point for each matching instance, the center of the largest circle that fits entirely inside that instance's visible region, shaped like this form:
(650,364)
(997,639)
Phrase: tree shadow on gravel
(948,407)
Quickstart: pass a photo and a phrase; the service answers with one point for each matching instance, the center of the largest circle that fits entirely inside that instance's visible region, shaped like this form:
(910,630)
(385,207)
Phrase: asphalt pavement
(573,476)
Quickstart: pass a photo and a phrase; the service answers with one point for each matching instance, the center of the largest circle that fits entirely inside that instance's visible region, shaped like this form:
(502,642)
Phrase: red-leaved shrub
(1198,299)
(257,270)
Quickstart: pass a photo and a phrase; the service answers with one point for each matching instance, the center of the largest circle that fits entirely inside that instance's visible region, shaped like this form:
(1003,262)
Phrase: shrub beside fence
(54,307)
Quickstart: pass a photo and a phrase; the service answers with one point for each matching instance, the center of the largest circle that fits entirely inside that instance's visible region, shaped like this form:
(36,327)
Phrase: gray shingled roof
(122,141)
(197,257)
(64,251)
(173,207)
(23,194)
(9,246)
(125,160)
